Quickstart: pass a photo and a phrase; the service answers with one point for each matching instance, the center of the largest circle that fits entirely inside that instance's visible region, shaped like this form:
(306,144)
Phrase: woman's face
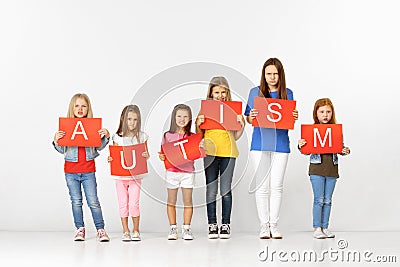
(182,118)
(80,108)
(219,93)
(271,76)
(324,114)
(132,120)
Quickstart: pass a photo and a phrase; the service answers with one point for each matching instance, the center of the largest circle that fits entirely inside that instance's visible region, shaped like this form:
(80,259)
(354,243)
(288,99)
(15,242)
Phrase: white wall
(50,50)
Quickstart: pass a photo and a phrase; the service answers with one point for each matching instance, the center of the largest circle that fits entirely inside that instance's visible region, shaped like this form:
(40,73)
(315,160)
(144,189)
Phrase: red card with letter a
(221,114)
(182,151)
(128,160)
(322,138)
(274,113)
(80,132)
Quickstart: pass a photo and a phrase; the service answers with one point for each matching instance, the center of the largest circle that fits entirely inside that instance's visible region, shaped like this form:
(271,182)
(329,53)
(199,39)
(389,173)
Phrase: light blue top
(268,139)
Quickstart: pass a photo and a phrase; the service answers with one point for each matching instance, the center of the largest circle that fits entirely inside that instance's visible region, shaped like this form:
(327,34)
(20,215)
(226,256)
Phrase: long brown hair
(219,81)
(123,126)
(70,113)
(173,128)
(320,103)
(264,89)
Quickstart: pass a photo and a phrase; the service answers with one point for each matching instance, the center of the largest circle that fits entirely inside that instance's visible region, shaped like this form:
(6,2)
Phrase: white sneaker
(275,234)
(265,233)
(187,233)
(126,237)
(173,233)
(135,236)
(318,234)
(328,233)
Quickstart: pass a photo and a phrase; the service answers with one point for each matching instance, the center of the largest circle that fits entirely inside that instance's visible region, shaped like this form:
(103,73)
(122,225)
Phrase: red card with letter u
(322,138)
(128,160)
(80,132)
(274,113)
(182,151)
(221,114)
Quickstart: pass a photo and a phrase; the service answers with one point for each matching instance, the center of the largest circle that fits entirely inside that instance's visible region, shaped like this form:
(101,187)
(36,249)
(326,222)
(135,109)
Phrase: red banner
(182,151)
(322,138)
(128,160)
(80,132)
(221,114)
(274,113)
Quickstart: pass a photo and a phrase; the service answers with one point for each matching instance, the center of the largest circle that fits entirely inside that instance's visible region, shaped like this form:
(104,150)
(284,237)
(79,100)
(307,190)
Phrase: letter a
(133,161)
(327,133)
(79,124)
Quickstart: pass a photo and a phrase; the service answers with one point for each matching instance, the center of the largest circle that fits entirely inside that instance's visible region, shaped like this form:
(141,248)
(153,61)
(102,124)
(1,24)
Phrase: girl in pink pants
(128,188)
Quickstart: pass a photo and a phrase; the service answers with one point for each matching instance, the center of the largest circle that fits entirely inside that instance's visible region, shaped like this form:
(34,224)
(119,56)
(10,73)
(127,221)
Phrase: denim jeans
(323,189)
(75,182)
(222,167)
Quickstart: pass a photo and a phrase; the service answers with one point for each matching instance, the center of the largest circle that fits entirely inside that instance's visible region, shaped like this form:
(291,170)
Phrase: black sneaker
(213,231)
(225,231)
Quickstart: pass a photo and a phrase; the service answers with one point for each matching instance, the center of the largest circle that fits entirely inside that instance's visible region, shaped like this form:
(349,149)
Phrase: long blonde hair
(70,113)
(123,126)
(219,81)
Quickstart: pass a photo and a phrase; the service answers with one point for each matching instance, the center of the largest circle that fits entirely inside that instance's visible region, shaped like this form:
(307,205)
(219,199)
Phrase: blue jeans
(323,189)
(222,167)
(88,182)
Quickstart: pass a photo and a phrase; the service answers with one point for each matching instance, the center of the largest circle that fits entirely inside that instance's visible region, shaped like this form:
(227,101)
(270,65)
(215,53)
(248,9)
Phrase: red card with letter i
(128,160)
(274,113)
(221,114)
(322,138)
(80,132)
(182,151)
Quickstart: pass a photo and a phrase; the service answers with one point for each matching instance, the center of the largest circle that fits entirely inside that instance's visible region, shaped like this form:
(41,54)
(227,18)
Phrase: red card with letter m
(322,138)
(221,114)
(80,132)
(274,113)
(182,151)
(128,160)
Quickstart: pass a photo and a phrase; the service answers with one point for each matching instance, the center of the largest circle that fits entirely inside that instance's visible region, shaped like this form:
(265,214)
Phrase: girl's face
(324,114)
(182,118)
(132,121)
(271,76)
(80,108)
(219,93)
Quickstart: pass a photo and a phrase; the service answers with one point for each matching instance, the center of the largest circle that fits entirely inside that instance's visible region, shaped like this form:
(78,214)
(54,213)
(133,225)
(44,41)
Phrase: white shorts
(179,179)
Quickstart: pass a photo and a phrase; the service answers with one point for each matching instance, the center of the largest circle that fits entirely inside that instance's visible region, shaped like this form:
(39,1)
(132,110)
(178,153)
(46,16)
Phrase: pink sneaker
(80,234)
(102,235)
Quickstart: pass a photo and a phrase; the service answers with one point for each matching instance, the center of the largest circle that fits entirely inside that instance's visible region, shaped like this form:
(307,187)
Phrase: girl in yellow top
(221,154)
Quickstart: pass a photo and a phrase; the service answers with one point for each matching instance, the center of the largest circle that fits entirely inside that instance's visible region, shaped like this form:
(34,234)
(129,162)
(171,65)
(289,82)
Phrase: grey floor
(243,249)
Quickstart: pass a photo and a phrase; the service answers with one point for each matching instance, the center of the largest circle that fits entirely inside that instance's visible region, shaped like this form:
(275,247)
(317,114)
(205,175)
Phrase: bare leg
(188,205)
(125,224)
(135,221)
(171,209)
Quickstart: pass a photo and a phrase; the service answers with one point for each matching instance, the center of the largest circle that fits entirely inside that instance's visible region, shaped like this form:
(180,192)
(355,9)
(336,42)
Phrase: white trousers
(270,170)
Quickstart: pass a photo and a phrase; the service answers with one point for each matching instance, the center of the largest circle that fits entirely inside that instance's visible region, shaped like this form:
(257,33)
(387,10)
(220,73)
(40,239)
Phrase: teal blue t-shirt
(267,139)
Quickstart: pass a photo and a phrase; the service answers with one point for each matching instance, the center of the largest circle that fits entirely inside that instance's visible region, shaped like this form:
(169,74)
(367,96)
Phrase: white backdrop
(345,50)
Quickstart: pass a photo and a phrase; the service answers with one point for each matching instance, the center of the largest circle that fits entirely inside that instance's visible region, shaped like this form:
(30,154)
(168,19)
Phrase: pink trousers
(128,192)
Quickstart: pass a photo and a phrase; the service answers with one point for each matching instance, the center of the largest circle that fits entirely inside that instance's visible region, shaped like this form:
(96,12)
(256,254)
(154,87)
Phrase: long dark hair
(282,94)
(123,126)
(173,127)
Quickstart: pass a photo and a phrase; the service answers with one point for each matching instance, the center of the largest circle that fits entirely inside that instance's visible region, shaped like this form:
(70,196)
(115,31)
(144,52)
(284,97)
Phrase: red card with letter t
(274,113)
(322,138)
(221,114)
(182,151)
(128,160)
(80,132)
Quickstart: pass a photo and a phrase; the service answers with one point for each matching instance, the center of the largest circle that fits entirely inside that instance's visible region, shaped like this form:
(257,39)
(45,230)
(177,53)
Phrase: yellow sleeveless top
(220,143)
